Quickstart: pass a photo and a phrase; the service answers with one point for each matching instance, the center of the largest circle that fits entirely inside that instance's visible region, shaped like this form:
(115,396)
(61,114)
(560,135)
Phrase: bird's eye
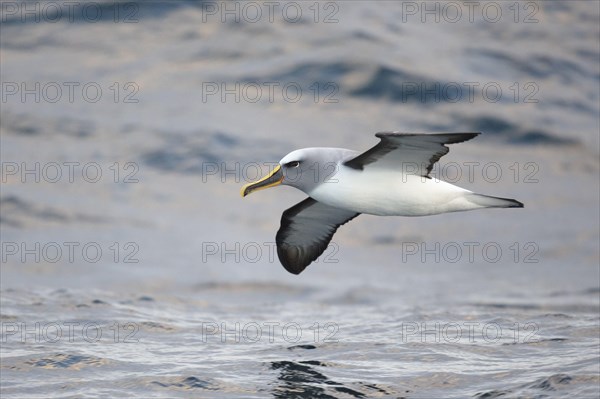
(293,164)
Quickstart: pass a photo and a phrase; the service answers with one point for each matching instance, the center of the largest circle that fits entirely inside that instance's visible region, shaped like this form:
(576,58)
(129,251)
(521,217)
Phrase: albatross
(390,179)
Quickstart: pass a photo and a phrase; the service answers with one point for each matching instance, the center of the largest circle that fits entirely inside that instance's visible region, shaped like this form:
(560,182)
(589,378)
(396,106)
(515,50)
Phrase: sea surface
(131,266)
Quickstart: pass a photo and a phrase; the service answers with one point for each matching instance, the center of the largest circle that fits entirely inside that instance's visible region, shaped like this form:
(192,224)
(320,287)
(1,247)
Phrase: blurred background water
(132,267)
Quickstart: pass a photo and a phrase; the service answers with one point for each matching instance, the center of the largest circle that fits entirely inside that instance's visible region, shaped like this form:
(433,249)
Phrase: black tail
(487,201)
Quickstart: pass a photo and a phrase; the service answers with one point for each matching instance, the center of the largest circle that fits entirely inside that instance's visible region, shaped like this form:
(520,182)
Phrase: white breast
(387,193)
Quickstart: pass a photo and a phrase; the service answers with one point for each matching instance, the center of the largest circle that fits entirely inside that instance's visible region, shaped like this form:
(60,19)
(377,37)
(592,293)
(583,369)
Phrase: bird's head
(303,169)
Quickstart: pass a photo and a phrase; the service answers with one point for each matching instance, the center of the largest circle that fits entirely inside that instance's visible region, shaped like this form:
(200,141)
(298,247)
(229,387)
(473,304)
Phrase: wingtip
(464,135)
(290,259)
(461,137)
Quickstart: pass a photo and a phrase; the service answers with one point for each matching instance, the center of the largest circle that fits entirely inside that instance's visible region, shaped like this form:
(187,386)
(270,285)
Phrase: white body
(379,188)
(391,193)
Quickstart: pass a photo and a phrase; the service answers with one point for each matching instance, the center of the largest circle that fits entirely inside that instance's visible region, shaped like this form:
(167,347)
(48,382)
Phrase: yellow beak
(272,179)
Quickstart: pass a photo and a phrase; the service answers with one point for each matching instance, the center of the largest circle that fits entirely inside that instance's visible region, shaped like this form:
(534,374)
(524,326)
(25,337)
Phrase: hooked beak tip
(272,179)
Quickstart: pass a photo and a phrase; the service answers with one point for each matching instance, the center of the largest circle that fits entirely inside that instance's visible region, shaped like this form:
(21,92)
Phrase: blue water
(131,266)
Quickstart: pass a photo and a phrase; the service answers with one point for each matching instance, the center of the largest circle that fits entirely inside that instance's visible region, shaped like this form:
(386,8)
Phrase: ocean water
(131,266)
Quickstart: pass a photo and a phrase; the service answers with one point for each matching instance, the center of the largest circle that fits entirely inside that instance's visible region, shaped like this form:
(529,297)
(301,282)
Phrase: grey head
(303,169)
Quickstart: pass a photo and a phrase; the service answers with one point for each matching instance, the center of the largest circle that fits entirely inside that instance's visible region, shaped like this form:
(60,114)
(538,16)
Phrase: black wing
(306,230)
(413,153)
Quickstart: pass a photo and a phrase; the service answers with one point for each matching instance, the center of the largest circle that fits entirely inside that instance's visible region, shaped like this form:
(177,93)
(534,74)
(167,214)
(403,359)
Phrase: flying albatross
(390,179)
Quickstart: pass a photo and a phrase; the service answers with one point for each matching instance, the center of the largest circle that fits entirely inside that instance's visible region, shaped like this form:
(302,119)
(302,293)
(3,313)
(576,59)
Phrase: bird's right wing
(411,153)
(306,230)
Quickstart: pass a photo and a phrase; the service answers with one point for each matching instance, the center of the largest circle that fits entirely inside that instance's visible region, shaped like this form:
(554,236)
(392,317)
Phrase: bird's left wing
(306,230)
(410,153)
